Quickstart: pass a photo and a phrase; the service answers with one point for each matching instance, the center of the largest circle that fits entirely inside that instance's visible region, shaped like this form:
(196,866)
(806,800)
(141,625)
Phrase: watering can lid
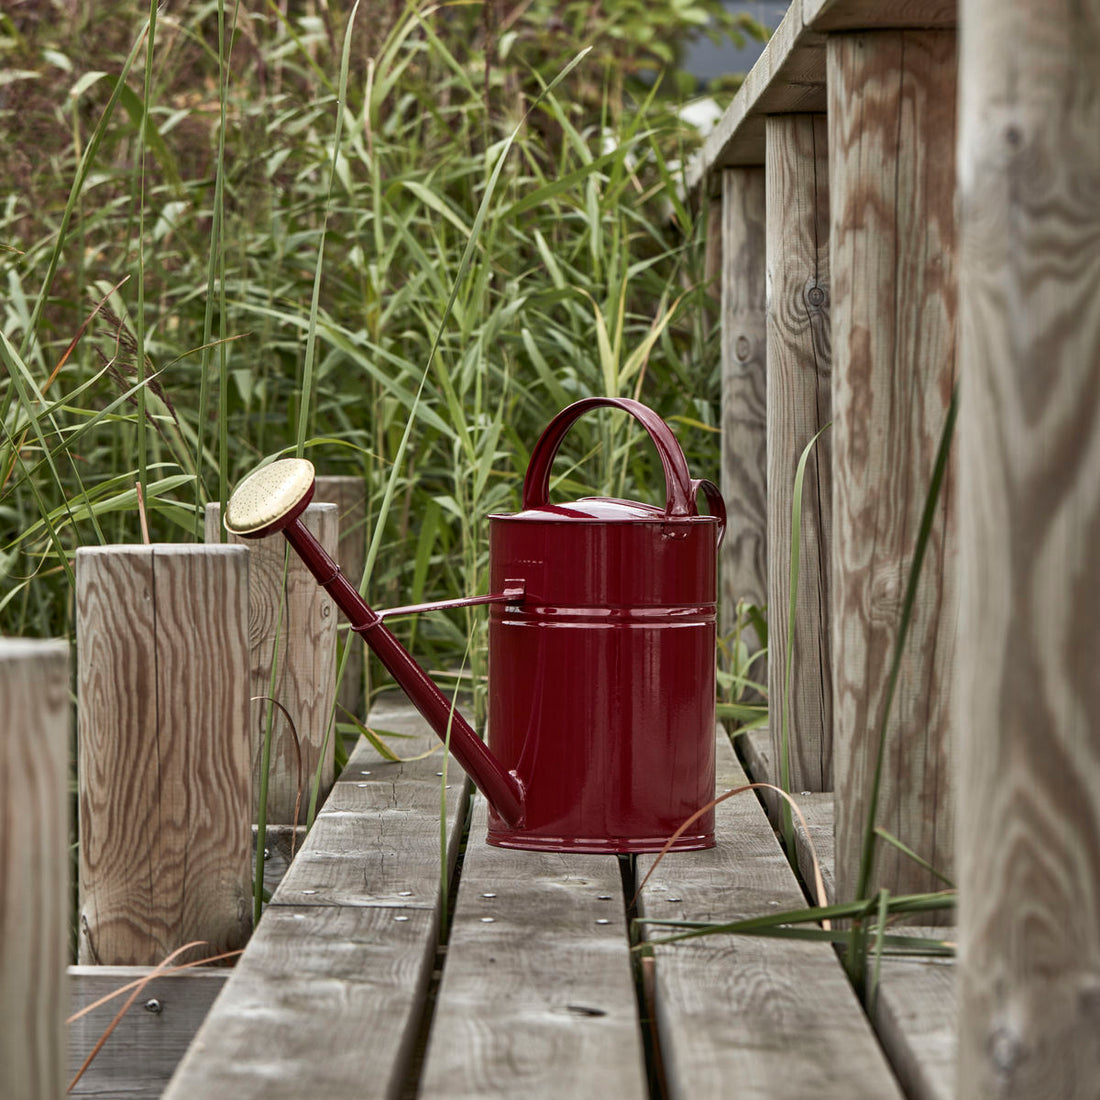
(598,509)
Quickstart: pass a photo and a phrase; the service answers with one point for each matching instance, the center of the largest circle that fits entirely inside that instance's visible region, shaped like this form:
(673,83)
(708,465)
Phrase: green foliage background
(231,245)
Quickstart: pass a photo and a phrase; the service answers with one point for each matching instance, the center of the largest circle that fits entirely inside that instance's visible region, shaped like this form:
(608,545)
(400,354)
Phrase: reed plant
(391,247)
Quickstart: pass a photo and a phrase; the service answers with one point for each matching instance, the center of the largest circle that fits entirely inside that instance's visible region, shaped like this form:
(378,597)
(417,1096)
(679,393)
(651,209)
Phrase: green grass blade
(792,609)
(919,860)
(306,394)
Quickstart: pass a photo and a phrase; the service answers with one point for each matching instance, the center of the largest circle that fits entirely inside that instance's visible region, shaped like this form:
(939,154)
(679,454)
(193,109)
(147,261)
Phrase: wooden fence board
(143,1051)
(892,248)
(750,1016)
(34,865)
(1029,461)
(915,1017)
(847,15)
(744,554)
(537,998)
(348,493)
(799,407)
(328,998)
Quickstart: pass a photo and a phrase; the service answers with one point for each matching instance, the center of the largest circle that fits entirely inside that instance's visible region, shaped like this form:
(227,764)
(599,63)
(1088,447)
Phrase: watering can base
(688,842)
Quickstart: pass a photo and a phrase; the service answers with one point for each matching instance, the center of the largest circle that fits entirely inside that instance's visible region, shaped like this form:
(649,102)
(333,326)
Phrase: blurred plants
(171,316)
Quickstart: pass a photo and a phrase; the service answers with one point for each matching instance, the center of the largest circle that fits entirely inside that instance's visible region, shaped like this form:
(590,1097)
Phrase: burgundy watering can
(602,640)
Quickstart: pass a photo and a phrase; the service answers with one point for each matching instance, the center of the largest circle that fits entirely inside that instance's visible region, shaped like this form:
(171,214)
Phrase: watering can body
(601,682)
(602,679)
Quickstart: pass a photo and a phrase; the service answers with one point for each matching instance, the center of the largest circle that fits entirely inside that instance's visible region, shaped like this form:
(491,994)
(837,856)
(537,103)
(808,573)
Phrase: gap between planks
(537,997)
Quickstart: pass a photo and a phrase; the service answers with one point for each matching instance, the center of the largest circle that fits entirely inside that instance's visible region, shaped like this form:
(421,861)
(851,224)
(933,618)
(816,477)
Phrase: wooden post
(349,494)
(892,248)
(294,609)
(34,866)
(1029,528)
(744,562)
(799,406)
(165,837)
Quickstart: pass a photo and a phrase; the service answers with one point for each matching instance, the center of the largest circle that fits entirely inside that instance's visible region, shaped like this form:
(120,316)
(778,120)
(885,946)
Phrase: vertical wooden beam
(1029,527)
(34,866)
(892,254)
(349,494)
(799,406)
(164,782)
(294,610)
(744,562)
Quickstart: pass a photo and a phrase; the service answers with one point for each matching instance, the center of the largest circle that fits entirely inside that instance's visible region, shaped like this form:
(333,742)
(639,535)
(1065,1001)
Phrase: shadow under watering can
(602,640)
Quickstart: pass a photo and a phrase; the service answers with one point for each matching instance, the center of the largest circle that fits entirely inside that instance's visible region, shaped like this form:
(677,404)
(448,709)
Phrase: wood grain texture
(164,780)
(892,243)
(537,998)
(1029,459)
(799,406)
(34,866)
(915,1016)
(744,555)
(748,1016)
(852,15)
(143,1051)
(326,1002)
(349,495)
(328,997)
(296,611)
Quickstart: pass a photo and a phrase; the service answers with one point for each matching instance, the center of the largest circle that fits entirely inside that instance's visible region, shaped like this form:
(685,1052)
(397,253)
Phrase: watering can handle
(680,489)
(715,502)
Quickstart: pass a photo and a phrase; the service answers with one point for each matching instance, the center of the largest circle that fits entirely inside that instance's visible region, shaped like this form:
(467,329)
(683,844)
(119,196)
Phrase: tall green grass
(400,262)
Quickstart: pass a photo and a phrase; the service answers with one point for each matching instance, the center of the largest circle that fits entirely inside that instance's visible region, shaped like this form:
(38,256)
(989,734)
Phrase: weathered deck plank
(328,998)
(848,15)
(537,998)
(765,1017)
(915,1016)
(916,1009)
(788,77)
(816,807)
(143,1051)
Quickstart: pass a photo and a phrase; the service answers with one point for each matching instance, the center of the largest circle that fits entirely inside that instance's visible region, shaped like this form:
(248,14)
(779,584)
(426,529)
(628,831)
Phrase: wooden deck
(366,978)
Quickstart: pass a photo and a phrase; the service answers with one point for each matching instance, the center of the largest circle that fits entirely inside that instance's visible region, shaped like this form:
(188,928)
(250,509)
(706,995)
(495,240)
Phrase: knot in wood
(742,348)
(1005,1049)
(815,295)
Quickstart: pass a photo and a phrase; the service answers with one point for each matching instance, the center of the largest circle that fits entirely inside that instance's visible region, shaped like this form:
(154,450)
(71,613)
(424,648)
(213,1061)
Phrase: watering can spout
(272,499)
